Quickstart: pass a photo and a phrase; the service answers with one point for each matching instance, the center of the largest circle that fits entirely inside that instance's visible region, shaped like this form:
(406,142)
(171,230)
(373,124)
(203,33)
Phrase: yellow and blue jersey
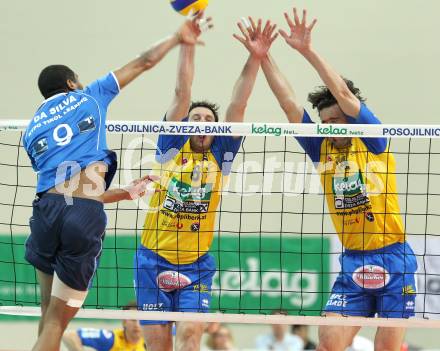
(106,340)
(67,133)
(359,183)
(180,223)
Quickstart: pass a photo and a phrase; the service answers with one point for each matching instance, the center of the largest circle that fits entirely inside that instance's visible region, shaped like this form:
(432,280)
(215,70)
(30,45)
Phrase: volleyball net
(275,245)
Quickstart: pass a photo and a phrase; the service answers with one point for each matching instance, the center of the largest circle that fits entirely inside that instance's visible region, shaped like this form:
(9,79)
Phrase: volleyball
(184,7)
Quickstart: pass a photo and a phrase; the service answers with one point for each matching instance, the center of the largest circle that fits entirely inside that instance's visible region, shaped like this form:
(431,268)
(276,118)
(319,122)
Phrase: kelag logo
(262,277)
(257,279)
(266,130)
(330,130)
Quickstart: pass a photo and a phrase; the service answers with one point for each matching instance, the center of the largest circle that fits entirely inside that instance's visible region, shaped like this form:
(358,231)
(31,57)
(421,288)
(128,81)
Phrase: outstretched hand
(300,37)
(138,187)
(255,39)
(190,31)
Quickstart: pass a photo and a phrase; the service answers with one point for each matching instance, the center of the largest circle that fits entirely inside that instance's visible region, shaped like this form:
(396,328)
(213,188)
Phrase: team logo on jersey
(185,192)
(195,227)
(40,147)
(371,277)
(187,207)
(182,197)
(349,191)
(86,124)
(170,280)
(369,216)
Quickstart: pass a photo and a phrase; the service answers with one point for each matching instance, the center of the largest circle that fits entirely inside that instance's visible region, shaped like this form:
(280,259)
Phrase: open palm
(256,39)
(300,37)
(191,30)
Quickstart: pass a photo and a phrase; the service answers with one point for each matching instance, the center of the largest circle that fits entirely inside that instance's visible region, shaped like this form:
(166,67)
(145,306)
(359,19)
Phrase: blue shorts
(163,286)
(377,282)
(66,238)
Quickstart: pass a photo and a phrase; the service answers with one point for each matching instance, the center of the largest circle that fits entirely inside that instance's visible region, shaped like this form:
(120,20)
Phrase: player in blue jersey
(66,143)
(127,338)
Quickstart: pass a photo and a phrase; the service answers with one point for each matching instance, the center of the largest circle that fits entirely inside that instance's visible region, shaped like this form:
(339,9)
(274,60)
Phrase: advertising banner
(255,274)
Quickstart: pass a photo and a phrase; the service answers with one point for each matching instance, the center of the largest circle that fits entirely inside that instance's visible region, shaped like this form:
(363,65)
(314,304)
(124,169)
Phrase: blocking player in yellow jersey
(173,267)
(358,178)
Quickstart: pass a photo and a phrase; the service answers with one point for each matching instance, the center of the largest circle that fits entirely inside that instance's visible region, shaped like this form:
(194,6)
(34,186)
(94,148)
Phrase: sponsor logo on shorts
(170,280)
(205,303)
(408,290)
(338,300)
(152,306)
(410,305)
(371,277)
(201,288)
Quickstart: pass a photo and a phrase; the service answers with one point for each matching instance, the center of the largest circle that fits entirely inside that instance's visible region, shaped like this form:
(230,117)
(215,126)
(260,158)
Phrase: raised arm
(300,39)
(182,94)
(282,90)
(156,53)
(257,41)
(185,73)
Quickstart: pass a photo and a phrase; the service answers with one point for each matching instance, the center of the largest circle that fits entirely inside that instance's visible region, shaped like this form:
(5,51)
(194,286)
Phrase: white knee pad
(73,298)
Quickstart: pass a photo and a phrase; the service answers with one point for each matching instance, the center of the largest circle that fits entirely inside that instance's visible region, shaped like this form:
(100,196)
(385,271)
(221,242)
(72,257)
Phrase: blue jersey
(67,133)
(106,340)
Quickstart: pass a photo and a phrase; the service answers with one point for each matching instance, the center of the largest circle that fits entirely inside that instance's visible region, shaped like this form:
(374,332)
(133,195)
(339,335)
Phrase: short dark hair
(322,97)
(209,105)
(53,80)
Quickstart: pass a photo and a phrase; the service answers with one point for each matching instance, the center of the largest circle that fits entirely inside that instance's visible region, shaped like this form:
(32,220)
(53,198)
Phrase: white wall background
(389,48)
